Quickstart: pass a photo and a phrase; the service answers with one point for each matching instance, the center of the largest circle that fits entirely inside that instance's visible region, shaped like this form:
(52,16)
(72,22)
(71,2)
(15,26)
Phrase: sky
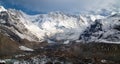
(68,6)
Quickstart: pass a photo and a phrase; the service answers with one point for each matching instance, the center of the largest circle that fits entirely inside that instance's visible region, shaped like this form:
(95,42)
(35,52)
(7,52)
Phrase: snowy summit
(2,9)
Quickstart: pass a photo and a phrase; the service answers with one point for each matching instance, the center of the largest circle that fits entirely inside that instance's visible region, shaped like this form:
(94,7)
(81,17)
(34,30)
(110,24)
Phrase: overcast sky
(71,6)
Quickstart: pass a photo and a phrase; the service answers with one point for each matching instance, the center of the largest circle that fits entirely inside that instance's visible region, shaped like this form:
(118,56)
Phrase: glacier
(59,26)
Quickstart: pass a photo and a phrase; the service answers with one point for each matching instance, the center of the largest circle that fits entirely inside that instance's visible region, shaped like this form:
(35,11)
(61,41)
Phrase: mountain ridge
(58,26)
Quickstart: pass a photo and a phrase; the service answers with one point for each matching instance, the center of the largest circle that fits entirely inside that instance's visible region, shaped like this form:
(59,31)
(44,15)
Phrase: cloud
(64,5)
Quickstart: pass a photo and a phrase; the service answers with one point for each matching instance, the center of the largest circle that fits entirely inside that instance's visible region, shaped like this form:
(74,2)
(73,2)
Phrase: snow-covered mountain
(104,30)
(60,26)
(57,26)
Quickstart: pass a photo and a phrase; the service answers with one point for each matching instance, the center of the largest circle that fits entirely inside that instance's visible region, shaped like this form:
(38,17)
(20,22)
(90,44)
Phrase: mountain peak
(2,9)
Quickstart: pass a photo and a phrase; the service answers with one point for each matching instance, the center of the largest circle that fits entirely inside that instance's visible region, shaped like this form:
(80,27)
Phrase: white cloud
(65,5)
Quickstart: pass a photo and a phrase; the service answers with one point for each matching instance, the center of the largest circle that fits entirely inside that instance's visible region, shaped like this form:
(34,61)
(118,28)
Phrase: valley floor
(73,53)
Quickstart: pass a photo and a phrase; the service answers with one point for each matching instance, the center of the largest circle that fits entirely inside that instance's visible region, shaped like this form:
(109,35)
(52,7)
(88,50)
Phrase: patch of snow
(66,42)
(105,41)
(41,47)
(94,17)
(17,62)
(50,41)
(20,55)
(78,41)
(2,61)
(25,48)
(104,61)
